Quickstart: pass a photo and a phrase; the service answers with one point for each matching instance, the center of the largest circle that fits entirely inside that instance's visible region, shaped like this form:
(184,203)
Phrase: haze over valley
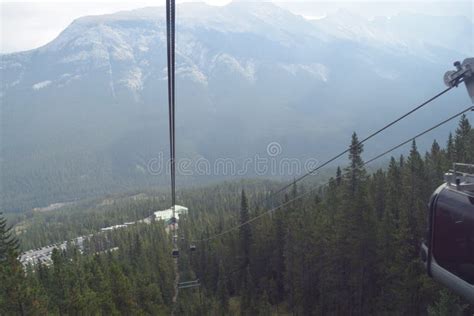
(85,114)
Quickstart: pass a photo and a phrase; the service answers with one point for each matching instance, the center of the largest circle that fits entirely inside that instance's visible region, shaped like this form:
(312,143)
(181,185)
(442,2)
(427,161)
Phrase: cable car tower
(448,249)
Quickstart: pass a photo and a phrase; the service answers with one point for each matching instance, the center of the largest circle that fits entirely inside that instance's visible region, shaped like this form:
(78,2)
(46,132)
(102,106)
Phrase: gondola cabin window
(453,239)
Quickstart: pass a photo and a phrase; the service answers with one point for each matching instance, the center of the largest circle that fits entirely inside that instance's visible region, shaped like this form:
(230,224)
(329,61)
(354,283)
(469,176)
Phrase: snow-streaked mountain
(85,113)
(409,33)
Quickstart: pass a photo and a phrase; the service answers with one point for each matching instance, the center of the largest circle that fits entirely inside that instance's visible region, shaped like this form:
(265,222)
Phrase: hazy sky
(29,24)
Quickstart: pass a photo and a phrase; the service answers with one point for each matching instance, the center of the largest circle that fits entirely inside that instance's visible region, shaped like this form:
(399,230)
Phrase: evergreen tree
(410,232)
(264,308)
(462,141)
(338,176)
(447,304)
(355,172)
(436,165)
(13,294)
(9,245)
(450,148)
(245,230)
(222,291)
(248,296)
(280,245)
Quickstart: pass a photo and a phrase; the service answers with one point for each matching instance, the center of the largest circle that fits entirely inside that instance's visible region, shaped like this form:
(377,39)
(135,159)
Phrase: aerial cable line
(358,144)
(470,108)
(228,275)
(170,37)
(170,30)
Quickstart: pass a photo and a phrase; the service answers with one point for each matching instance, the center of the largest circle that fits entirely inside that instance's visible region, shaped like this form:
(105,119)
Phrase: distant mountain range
(86,113)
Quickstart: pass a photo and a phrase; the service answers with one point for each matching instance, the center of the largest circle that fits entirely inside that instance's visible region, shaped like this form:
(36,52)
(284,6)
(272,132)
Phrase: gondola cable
(170,35)
(312,171)
(170,18)
(470,108)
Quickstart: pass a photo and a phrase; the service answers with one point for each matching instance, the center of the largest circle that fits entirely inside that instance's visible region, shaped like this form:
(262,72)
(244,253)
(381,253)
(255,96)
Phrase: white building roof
(113,227)
(168,213)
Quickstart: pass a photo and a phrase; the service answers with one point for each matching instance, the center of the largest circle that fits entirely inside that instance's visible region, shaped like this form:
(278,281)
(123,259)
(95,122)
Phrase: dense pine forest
(347,248)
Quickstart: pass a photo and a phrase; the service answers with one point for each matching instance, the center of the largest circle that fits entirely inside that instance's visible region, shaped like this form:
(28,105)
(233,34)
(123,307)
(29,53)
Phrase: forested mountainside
(351,247)
(84,115)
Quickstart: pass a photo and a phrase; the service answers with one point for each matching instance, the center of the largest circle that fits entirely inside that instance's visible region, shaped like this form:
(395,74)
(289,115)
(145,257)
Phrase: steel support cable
(173,53)
(170,35)
(284,188)
(170,29)
(470,108)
